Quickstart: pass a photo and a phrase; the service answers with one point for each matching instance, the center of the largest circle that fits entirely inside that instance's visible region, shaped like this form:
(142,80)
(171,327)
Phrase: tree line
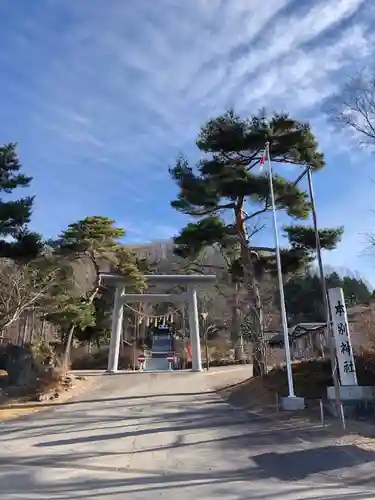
(303,295)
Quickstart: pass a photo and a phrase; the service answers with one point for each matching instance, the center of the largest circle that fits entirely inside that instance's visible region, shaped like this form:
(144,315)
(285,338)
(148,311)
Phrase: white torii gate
(190,297)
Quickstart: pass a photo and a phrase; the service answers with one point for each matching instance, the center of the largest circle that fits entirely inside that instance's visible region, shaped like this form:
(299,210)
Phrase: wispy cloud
(102,96)
(142,231)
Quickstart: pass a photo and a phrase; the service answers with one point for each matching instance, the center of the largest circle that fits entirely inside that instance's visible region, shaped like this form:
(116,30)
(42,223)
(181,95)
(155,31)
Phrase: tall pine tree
(16,241)
(227,192)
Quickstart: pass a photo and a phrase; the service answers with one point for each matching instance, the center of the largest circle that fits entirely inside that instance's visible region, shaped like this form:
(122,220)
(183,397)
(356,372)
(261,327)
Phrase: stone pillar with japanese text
(341,335)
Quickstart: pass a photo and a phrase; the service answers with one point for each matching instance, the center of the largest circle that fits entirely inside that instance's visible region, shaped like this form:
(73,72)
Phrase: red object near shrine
(188,351)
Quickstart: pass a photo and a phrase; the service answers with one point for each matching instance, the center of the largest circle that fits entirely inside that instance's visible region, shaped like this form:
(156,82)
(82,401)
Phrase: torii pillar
(190,297)
(196,361)
(116,330)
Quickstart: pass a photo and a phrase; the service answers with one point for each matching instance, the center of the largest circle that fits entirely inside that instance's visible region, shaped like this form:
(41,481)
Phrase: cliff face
(160,251)
(155,251)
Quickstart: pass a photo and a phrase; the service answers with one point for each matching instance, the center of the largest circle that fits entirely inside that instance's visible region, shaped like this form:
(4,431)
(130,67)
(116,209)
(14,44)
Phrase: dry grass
(251,393)
(50,391)
(311,379)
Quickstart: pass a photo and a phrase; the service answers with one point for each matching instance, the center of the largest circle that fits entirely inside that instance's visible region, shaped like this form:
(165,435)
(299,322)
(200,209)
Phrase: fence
(29,328)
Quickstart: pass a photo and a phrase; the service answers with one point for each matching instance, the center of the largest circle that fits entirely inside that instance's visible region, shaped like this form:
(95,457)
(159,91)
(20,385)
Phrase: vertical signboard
(341,334)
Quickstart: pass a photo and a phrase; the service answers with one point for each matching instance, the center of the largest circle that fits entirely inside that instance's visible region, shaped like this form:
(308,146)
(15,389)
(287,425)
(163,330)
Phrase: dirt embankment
(51,393)
(311,379)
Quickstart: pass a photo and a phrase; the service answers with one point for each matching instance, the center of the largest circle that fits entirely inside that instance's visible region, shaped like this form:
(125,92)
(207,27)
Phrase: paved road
(150,436)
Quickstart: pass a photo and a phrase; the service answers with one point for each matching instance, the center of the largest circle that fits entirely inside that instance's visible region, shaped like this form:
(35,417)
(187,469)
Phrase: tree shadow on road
(283,449)
(77,401)
(301,451)
(189,421)
(19,479)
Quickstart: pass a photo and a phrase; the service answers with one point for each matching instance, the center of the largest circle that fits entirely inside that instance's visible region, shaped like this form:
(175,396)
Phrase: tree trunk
(259,353)
(97,282)
(90,299)
(235,329)
(142,326)
(97,342)
(206,349)
(25,328)
(253,292)
(68,344)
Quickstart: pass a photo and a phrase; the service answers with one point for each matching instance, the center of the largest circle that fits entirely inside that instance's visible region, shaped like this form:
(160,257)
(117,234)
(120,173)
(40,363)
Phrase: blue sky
(102,96)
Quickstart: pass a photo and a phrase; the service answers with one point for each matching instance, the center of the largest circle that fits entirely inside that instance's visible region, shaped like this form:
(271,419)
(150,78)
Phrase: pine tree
(227,192)
(334,280)
(303,295)
(303,299)
(97,239)
(16,241)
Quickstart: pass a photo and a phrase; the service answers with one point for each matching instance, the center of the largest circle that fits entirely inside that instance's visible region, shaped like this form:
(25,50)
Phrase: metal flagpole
(280,279)
(326,303)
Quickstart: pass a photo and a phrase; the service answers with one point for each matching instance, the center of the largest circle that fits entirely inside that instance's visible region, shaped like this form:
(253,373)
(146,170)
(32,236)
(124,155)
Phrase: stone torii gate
(190,297)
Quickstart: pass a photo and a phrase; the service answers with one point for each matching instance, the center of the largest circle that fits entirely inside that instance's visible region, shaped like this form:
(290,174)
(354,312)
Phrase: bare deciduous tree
(23,286)
(354,107)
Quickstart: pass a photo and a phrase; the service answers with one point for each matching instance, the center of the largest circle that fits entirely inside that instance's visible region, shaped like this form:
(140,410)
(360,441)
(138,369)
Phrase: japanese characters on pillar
(341,334)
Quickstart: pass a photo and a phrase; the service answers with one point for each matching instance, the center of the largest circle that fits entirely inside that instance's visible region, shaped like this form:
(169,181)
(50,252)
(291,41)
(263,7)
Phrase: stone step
(156,365)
